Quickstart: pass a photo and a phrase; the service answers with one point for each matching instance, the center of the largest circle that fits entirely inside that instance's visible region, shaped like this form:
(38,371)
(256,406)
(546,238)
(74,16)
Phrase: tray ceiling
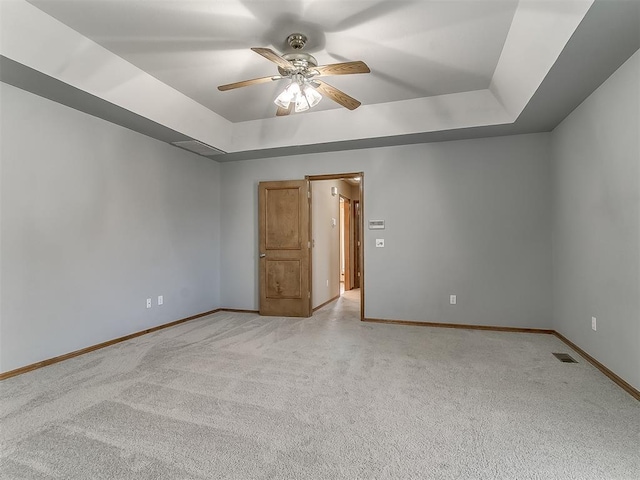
(439,70)
(414,49)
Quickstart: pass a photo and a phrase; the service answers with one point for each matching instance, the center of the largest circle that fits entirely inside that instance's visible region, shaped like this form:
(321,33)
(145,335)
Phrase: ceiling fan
(302,70)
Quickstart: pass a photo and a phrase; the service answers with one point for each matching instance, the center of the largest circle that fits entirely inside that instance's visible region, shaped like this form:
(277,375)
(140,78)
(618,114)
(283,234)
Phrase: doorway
(288,241)
(335,238)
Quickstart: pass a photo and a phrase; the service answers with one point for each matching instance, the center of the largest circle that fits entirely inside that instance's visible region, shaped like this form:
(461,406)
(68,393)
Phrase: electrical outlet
(160,299)
(453,299)
(148,303)
(593,323)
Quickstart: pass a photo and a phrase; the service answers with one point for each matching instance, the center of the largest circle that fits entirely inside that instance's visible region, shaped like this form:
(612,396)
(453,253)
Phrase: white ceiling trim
(538,34)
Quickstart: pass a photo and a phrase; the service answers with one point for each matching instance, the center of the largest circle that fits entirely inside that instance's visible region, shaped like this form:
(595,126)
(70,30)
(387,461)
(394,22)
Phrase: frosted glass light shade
(313,97)
(302,104)
(288,95)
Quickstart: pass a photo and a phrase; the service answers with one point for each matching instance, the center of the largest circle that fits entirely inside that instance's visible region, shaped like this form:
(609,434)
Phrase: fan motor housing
(302,61)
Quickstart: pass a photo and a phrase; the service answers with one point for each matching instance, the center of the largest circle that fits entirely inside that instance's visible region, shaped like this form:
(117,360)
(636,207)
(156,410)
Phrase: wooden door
(285,278)
(346,239)
(356,243)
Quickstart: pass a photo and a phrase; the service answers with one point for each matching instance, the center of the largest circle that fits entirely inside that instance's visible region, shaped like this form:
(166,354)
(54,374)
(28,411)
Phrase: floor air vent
(565,357)
(198,147)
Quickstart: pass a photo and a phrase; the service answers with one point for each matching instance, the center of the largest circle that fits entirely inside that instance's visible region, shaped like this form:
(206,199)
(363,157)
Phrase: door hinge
(308,294)
(308,244)
(308,193)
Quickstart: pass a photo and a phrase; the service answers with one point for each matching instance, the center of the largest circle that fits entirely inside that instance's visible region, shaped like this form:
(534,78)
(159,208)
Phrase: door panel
(284,248)
(283,214)
(283,278)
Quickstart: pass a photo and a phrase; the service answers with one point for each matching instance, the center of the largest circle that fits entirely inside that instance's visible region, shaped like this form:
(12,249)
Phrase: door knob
(262,255)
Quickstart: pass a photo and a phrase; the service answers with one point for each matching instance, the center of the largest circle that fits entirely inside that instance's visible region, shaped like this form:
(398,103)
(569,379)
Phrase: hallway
(346,307)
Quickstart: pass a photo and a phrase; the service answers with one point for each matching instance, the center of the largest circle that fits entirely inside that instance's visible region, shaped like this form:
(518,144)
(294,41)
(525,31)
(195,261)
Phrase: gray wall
(471,218)
(596,247)
(95,219)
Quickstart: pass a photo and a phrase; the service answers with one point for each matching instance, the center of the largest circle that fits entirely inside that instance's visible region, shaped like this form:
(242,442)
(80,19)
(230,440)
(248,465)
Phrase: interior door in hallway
(356,243)
(284,248)
(345,241)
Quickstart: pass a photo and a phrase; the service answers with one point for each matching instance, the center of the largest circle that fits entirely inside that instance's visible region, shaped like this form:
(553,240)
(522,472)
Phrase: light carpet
(241,396)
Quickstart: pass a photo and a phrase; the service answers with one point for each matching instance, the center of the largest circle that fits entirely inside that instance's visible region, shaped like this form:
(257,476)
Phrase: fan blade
(346,68)
(336,95)
(246,83)
(281,112)
(274,57)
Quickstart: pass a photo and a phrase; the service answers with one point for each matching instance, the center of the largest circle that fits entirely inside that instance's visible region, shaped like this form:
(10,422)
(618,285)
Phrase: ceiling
(414,49)
(439,69)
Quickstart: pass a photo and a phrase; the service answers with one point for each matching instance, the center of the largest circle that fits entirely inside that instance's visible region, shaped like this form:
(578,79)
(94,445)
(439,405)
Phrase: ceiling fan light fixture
(301,94)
